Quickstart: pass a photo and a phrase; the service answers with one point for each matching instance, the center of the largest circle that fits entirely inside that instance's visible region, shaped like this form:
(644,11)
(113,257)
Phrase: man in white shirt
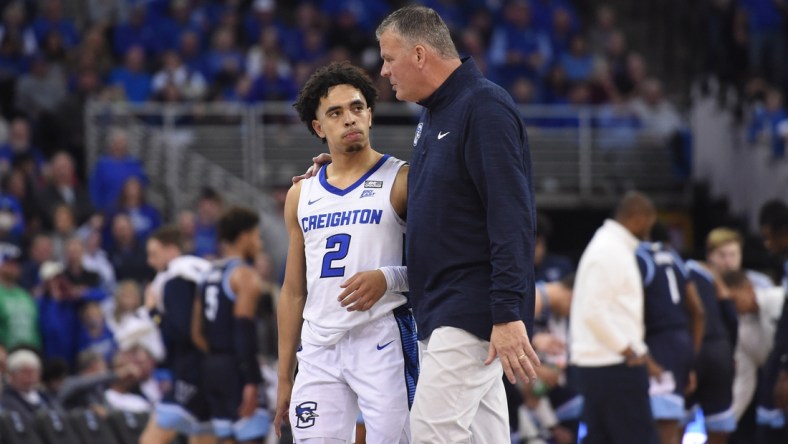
(607,329)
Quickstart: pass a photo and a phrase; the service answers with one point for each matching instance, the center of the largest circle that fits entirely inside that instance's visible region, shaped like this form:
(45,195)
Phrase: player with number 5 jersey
(223,326)
(341,312)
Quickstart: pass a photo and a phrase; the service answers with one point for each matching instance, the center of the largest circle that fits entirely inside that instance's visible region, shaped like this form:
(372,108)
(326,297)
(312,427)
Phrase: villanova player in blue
(714,364)
(674,331)
(773,393)
(185,409)
(224,324)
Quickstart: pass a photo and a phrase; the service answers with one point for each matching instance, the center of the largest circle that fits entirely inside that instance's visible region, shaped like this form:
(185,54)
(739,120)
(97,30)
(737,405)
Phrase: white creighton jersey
(345,232)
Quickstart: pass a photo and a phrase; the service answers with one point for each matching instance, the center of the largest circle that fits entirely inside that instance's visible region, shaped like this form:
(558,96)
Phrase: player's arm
(364,289)
(196,325)
(694,307)
(247,286)
(290,310)
(399,192)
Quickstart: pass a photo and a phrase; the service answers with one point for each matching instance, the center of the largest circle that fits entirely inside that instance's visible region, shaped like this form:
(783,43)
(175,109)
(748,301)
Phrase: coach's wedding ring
(521,357)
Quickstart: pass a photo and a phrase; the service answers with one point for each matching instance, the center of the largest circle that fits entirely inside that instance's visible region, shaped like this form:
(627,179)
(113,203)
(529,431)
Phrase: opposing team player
(714,363)
(185,409)
(673,314)
(223,324)
(345,220)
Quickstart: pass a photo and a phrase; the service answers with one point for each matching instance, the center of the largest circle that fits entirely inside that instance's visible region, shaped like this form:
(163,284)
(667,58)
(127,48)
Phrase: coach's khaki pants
(458,400)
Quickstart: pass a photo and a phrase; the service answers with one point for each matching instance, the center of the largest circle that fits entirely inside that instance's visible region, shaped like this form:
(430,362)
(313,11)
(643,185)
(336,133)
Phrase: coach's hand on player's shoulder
(283,393)
(362,290)
(317,162)
(509,342)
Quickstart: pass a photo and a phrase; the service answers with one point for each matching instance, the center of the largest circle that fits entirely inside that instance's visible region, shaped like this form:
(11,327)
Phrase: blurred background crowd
(73,266)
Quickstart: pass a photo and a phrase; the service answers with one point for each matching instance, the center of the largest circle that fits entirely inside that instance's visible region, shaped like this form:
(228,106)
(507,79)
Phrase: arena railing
(582,156)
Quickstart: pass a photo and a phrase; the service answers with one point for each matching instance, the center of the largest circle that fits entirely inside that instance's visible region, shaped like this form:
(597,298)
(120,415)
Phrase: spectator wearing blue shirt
(766,121)
(455,14)
(517,47)
(224,63)
(191,53)
(262,17)
(209,208)
(561,32)
(112,170)
(58,313)
(12,221)
(368,12)
(94,334)
(41,250)
(136,31)
(132,78)
(543,12)
(13,61)
(179,20)
(578,62)
(51,19)
(144,218)
(618,128)
(345,32)
(312,47)
(272,85)
(766,37)
(15,24)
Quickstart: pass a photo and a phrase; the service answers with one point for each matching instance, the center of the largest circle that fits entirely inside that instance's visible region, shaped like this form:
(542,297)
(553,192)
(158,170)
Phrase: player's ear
(318,129)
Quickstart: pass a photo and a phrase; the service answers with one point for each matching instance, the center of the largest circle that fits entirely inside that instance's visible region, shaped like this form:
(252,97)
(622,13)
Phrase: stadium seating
(91,428)
(13,430)
(55,428)
(127,426)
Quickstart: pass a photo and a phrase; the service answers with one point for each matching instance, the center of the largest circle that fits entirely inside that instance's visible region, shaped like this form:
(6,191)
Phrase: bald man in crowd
(607,329)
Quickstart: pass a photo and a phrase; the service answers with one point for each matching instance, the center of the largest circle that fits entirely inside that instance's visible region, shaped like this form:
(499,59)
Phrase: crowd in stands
(73,266)
(57,54)
(746,48)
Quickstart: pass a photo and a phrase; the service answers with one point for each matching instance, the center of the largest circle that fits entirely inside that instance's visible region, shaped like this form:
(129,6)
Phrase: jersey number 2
(338,244)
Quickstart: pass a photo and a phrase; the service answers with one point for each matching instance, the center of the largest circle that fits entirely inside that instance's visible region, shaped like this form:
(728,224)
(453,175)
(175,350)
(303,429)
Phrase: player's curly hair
(318,84)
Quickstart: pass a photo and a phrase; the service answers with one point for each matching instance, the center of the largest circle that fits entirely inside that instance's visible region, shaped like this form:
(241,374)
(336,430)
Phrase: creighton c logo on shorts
(305,414)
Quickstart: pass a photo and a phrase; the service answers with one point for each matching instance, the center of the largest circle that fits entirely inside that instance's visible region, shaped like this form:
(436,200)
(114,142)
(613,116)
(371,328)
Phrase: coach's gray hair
(419,24)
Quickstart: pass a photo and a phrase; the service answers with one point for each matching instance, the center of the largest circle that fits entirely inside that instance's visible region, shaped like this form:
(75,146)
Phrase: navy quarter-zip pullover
(471,214)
